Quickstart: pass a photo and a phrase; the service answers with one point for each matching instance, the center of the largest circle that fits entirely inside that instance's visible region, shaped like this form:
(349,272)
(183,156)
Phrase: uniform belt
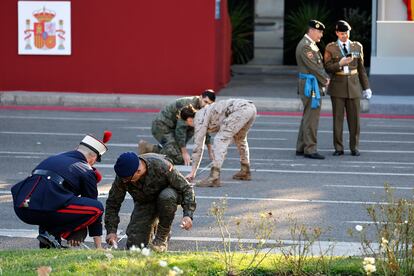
(49,175)
(352,72)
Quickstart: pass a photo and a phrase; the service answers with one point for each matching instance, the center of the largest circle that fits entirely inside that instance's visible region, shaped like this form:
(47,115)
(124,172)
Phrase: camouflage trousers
(146,217)
(234,127)
(168,144)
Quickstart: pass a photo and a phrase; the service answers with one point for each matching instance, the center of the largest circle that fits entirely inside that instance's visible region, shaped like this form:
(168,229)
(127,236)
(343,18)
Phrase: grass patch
(94,262)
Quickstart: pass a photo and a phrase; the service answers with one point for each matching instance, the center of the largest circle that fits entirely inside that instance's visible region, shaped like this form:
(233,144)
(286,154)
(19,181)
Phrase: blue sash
(311,89)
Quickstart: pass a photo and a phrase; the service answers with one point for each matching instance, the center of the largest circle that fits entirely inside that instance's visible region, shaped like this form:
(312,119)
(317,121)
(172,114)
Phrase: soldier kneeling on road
(156,188)
(61,196)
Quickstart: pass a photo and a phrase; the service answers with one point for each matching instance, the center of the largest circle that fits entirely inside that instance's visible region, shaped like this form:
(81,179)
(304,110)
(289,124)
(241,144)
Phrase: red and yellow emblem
(44,30)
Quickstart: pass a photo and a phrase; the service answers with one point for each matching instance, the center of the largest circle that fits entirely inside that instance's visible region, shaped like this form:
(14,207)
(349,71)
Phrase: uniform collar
(348,43)
(310,39)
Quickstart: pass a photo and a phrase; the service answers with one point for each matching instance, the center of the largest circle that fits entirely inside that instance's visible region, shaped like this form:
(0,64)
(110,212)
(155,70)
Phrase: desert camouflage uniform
(230,119)
(171,132)
(156,196)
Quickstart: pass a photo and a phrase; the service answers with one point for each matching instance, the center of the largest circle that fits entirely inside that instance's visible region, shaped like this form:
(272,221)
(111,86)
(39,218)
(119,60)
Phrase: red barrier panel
(126,46)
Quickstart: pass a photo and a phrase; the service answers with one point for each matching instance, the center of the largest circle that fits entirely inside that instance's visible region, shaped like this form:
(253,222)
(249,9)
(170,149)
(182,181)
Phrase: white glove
(367,94)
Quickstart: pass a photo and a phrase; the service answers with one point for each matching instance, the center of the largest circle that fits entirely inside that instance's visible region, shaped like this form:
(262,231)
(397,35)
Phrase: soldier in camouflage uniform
(172,133)
(344,59)
(231,120)
(312,79)
(156,188)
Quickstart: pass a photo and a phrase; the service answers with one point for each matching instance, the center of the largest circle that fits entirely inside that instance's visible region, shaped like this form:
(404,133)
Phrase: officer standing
(230,120)
(61,195)
(172,133)
(311,84)
(156,188)
(344,59)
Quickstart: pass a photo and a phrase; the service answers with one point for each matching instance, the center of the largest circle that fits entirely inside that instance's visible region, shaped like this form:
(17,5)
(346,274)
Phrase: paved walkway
(272,89)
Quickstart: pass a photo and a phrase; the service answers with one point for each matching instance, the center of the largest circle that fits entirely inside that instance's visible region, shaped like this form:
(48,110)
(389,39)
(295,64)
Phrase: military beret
(316,24)
(342,26)
(126,164)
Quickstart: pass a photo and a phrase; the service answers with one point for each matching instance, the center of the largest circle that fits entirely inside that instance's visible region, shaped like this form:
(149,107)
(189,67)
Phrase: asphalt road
(332,194)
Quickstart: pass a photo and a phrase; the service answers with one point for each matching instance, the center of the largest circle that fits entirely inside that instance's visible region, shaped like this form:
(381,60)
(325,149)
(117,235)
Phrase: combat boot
(244,173)
(213,180)
(160,242)
(145,147)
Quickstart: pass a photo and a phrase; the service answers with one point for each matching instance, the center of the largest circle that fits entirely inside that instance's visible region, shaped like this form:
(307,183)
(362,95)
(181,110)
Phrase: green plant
(393,226)
(297,22)
(303,240)
(242,23)
(251,255)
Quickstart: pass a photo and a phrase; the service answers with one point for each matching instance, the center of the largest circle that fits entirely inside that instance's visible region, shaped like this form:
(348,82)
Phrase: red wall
(126,46)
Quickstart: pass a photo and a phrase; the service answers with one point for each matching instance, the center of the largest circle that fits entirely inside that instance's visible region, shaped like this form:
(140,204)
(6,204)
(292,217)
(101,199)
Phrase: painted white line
(329,172)
(296,131)
(26,152)
(42,133)
(5,192)
(105,195)
(369,187)
(62,118)
(379,141)
(295,171)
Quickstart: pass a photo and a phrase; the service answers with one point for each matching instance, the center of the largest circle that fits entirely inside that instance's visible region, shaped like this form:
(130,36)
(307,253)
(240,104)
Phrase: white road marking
(369,187)
(42,133)
(296,131)
(105,195)
(63,118)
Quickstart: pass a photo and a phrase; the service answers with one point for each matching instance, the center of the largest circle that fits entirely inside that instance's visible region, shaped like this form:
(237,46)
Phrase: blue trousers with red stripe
(79,213)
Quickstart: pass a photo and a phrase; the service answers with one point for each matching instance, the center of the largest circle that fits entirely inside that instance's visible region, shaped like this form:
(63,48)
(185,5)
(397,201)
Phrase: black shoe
(314,156)
(79,235)
(299,153)
(48,241)
(338,153)
(355,153)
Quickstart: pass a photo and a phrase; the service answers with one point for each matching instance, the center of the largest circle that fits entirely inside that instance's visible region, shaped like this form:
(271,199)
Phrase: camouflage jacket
(160,175)
(169,116)
(208,120)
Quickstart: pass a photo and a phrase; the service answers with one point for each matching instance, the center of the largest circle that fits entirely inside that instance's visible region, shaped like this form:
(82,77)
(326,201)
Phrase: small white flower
(369,260)
(163,263)
(384,242)
(145,251)
(178,270)
(135,249)
(369,268)
(406,222)
(109,256)
(359,227)
(142,245)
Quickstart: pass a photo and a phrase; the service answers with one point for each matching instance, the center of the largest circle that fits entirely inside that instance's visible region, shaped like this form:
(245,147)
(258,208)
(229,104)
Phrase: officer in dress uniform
(311,84)
(156,187)
(344,60)
(172,133)
(61,196)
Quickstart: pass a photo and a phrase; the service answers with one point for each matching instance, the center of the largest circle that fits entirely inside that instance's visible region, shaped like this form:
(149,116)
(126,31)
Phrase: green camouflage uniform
(170,131)
(156,196)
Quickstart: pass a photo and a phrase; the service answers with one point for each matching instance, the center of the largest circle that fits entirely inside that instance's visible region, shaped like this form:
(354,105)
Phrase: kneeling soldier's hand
(186,223)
